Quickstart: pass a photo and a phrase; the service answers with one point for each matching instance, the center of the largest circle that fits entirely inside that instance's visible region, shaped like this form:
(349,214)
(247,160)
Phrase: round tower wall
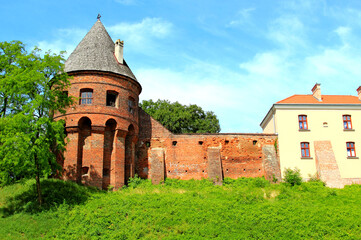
(110,100)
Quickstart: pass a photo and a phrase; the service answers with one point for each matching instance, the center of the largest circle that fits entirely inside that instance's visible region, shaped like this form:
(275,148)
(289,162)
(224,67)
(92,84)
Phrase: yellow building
(319,134)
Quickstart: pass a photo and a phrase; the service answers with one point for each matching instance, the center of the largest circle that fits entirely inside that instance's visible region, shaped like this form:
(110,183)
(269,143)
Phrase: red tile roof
(326,99)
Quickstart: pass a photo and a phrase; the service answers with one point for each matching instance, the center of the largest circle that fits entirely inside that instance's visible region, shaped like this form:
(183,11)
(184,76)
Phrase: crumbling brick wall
(185,156)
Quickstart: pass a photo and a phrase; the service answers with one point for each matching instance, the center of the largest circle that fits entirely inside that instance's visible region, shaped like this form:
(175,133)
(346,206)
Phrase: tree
(31,91)
(179,118)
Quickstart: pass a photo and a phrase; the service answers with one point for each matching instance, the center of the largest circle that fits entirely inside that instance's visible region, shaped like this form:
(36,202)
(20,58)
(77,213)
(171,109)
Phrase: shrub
(292,177)
(134,182)
(260,182)
(316,178)
(274,179)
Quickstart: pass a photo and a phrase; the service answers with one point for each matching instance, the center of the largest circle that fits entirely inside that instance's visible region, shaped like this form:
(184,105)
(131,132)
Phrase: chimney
(118,51)
(359,93)
(316,92)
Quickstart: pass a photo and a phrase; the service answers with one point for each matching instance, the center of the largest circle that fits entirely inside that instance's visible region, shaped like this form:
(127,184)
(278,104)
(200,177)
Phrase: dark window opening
(200,142)
(112,98)
(131,105)
(86,96)
(174,143)
(147,144)
(254,142)
(84,170)
(106,172)
(244,169)
(226,142)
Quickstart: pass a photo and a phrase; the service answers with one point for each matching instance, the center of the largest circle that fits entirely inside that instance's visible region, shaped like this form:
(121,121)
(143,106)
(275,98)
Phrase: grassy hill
(240,209)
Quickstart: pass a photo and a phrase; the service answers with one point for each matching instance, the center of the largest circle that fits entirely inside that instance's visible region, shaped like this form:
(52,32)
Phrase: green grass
(240,209)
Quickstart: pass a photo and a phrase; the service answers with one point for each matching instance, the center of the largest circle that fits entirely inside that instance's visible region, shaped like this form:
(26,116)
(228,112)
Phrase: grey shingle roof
(96,52)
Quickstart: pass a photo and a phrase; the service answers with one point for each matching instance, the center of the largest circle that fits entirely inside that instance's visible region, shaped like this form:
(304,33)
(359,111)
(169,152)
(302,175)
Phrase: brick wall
(112,144)
(97,132)
(185,155)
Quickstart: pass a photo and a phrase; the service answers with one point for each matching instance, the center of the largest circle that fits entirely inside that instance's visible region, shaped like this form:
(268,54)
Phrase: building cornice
(268,116)
(307,106)
(317,106)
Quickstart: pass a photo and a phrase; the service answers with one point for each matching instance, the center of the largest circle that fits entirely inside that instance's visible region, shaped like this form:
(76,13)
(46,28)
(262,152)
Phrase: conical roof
(96,52)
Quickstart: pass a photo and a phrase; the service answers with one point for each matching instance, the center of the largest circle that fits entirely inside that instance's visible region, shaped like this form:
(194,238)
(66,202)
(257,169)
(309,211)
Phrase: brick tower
(102,125)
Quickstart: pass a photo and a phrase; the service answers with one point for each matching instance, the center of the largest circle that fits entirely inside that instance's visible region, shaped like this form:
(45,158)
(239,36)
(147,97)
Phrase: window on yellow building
(305,149)
(347,122)
(302,121)
(351,152)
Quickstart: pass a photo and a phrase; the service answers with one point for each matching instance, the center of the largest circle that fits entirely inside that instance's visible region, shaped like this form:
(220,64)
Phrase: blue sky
(235,58)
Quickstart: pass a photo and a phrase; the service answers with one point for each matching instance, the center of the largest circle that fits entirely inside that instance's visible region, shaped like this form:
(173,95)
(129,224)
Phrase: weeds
(292,177)
(242,208)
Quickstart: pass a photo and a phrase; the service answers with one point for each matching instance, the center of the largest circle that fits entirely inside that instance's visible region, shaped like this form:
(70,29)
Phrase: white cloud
(267,64)
(142,35)
(243,17)
(346,16)
(239,100)
(138,36)
(63,40)
(288,31)
(343,31)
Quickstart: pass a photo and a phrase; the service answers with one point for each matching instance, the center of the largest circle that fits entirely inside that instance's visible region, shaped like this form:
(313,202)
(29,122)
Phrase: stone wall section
(156,163)
(214,165)
(271,163)
(186,155)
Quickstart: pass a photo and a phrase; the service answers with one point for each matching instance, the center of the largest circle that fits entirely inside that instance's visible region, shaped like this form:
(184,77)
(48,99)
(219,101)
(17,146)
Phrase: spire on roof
(99,16)
(96,53)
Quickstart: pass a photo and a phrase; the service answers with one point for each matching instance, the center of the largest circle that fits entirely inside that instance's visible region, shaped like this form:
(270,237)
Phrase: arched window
(305,149)
(86,96)
(351,152)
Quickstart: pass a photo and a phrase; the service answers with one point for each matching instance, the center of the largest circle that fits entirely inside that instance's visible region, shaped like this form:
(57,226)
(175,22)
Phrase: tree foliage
(31,90)
(180,118)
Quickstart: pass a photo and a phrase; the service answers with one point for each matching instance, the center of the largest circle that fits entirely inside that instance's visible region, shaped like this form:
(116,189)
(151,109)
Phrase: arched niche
(84,125)
(129,153)
(109,145)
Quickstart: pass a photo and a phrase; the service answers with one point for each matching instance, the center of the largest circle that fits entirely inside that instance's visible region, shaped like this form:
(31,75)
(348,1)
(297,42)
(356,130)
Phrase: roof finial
(99,16)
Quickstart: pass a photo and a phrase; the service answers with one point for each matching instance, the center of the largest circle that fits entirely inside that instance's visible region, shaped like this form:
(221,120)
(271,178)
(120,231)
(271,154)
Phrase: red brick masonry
(109,144)
(186,155)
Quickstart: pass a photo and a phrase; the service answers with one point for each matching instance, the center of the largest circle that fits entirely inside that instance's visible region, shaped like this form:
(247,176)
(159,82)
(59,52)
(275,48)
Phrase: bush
(134,182)
(316,178)
(260,182)
(292,177)
(54,192)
